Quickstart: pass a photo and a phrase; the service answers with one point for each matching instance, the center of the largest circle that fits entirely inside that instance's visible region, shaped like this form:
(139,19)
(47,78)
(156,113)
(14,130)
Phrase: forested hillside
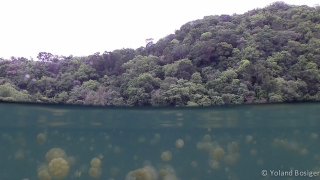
(265,55)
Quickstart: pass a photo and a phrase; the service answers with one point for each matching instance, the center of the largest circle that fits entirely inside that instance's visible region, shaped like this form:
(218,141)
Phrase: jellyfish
(95,172)
(229,160)
(56,133)
(21,141)
(107,138)
(77,174)
(42,166)
(207,138)
(206,146)
(59,168)
(114,171)
(314,136)
(170,177)
(157,136)
(316,168)
(131,176)
(68,138)
(84,168)
(71,160)
(117,150)
(249,139)
(253,152)
(141,139)
(165,170)
(194,164)
(217,153)
(236,156)
(260,162)
(44,175)
(292,145)
(19,155)
(303,151)
(55,153)
(151,171)
(81,139)
(179,143)
(95,162)
(146,163)
(154,142)
(214,164)
(135,158)
(41,138)
(145,173)
(233,147)
(166,156)
(283,143)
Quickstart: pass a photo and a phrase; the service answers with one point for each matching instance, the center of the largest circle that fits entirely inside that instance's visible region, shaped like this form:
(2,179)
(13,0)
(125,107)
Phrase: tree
(104,96)
(9,93)
(138,91)
(143,64)
(196,78)
(45,56)
(180,69)
(64,82)
(62,97)
(180,51)
(205,36)
(149,42)
(86,72)
(91,84)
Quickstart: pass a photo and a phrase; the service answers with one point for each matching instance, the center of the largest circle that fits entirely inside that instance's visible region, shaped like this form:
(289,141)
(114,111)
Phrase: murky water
(227,142)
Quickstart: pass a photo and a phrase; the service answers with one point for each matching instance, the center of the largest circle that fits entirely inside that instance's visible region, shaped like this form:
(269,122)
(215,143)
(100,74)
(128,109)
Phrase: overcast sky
(83,27)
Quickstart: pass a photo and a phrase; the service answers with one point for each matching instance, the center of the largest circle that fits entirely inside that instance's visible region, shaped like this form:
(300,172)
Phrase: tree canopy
(264,55)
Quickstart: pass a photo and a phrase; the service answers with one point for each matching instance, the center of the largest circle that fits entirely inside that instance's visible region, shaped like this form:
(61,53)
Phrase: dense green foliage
(265,55)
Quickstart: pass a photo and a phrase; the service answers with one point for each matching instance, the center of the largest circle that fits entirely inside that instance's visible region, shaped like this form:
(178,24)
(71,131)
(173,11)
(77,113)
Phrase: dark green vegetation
(264,55)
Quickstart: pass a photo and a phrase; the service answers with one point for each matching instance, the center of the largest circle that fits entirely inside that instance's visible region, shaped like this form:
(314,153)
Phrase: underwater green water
(223,142)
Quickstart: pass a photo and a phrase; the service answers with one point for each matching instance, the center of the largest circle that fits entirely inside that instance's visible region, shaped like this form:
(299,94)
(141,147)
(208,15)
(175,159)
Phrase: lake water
(265,141)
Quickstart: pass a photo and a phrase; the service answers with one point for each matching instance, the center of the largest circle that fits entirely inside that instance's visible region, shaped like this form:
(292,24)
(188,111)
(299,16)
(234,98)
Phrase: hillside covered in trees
(265,55)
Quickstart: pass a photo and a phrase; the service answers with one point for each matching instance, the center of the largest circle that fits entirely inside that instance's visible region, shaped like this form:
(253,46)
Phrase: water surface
(221,142)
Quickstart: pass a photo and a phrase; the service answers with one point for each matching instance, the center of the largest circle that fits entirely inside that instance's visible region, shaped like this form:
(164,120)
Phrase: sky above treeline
(83,27)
